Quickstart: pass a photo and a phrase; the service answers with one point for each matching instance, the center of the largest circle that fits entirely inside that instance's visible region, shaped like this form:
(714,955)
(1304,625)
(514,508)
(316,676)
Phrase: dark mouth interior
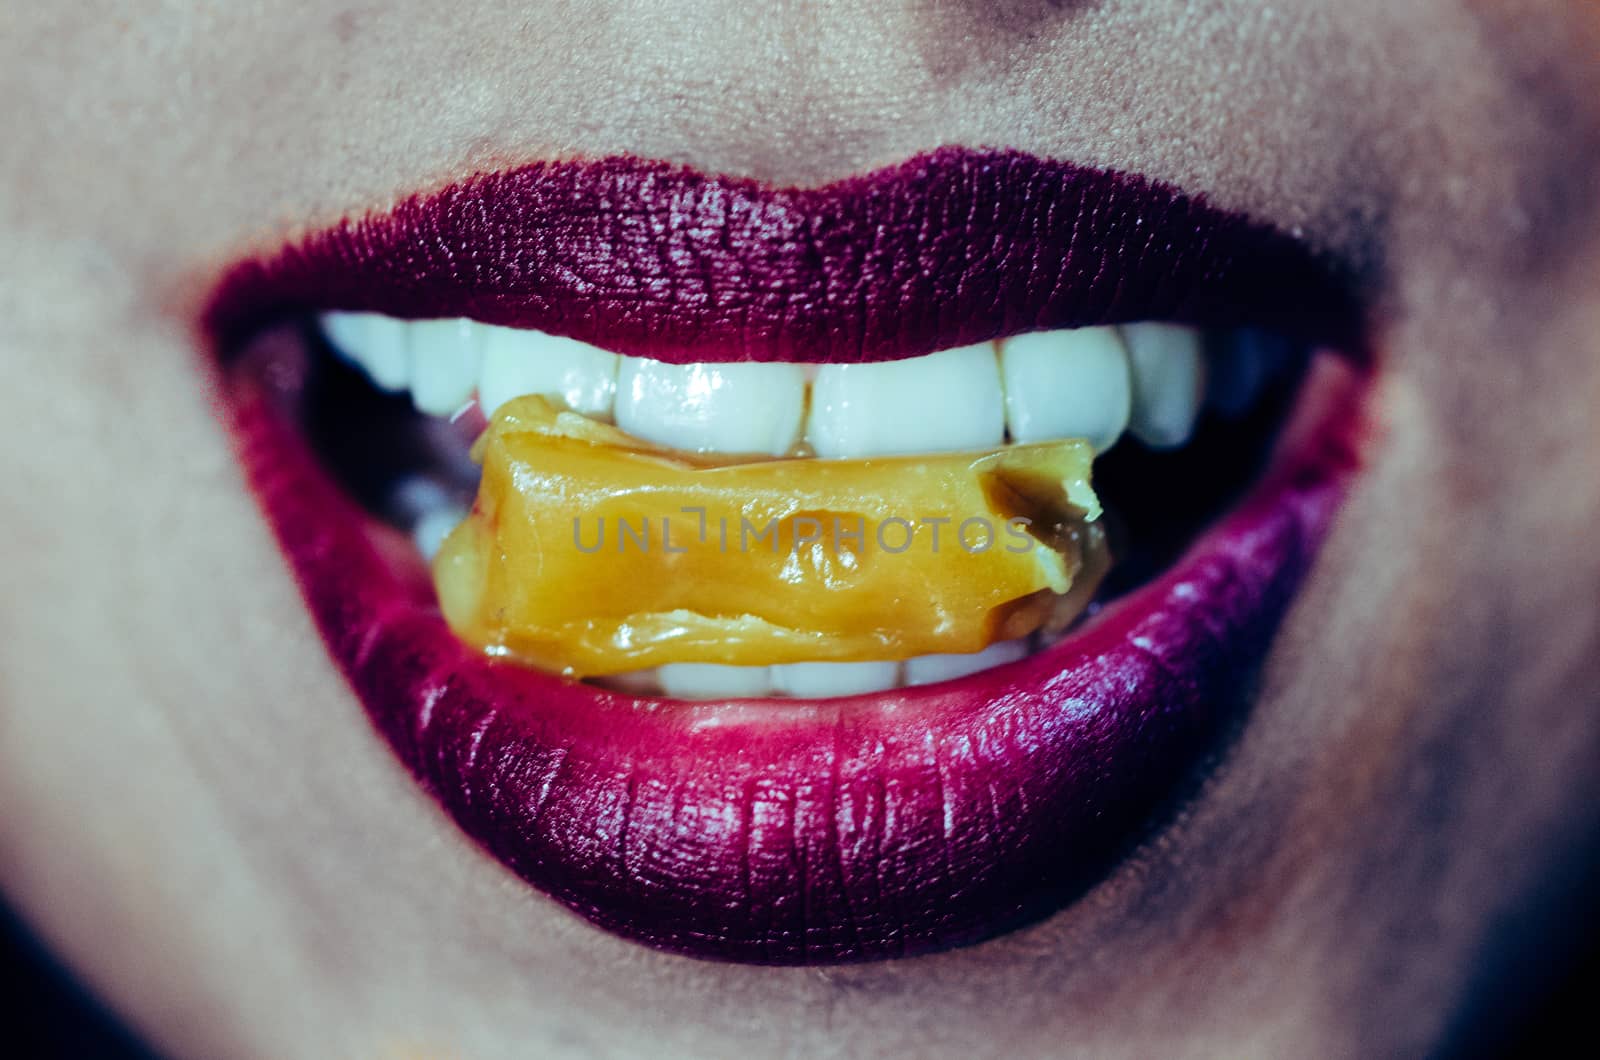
(1157,502)
(394,460)
(373,442)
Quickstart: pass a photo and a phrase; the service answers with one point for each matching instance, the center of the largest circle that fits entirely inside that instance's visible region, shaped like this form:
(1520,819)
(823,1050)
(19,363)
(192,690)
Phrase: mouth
(466,417)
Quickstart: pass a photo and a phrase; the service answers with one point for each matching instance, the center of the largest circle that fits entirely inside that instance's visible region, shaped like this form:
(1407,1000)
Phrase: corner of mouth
(808,831)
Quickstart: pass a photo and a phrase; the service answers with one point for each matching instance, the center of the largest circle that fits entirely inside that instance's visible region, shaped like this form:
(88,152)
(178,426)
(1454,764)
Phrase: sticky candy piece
(590,552)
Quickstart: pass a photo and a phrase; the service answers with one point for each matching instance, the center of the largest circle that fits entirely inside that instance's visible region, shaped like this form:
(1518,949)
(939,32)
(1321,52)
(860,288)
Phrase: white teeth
(432,528)
(445,355)
(717,408)
(819,680)
(943,402)
(927,669)
(1096,383)
(634,682)
(713,681)
(374,343)
(1071,383)
(810,680)
(517,362)
(1168,381)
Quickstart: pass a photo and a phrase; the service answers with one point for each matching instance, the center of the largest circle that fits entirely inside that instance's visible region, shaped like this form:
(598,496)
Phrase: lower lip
(808,832)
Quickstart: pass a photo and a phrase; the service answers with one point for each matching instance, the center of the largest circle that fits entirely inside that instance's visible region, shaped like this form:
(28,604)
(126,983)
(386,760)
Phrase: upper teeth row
(1092,383)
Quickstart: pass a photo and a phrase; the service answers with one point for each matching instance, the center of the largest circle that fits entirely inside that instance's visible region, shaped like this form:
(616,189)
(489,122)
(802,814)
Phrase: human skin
(200,820)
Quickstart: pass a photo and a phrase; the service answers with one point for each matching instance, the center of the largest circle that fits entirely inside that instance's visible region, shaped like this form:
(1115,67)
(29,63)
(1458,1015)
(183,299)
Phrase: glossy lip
(656,260)
(795,831)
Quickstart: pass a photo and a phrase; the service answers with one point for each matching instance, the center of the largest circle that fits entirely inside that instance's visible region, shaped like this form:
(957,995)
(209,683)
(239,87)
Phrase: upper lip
(656,260)
(801,831)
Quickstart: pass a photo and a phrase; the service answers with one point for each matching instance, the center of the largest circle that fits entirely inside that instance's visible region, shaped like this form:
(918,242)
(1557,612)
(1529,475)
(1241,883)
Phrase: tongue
(590,552)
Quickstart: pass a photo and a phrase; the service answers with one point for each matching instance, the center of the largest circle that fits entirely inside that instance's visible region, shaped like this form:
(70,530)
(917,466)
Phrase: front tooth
(713,680)
(742,407)
(517,362)
(634,682)
(374,343)
(943,402)
(1070,383)
(445,355)
(927,669)
(1168,382)
(821,680)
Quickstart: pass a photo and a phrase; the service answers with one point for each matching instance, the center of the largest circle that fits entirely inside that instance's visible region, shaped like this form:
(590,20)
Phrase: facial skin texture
(199,819)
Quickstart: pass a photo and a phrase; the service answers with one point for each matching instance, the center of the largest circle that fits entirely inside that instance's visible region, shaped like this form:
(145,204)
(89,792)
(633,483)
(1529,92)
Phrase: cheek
(139,572)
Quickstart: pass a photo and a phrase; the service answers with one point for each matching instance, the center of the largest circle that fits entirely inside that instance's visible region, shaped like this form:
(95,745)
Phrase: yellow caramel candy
(591,552)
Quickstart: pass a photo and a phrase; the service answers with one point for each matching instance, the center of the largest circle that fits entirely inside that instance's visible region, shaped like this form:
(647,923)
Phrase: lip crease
(794,831)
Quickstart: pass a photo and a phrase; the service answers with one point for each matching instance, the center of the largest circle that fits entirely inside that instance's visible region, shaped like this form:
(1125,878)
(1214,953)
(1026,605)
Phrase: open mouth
(798,575)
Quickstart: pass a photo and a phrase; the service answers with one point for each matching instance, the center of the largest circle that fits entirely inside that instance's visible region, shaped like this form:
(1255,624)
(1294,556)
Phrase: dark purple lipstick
(660,261)
(792,831)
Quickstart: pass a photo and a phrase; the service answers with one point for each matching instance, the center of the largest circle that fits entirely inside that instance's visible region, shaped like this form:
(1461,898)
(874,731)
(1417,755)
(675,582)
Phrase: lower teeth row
(815,680)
